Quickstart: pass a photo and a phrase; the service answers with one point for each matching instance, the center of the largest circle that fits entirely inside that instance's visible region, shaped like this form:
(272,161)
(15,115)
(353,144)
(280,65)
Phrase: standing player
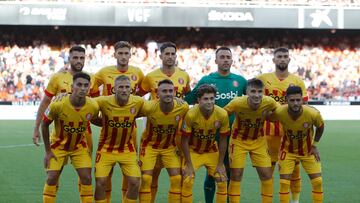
(202,122)
(158,140)
(181,81)
(299,143)
(229,86)
(248,137)
(71,116)
(116,143)
(105,77)
(60,83)
(276,84)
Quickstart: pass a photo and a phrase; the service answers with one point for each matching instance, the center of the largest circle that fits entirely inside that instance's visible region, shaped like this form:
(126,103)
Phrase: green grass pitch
(22,175)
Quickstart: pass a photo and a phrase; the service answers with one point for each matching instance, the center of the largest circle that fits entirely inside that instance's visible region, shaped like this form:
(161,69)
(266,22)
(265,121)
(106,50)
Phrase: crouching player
(299,143)
(71,116)
(201,124)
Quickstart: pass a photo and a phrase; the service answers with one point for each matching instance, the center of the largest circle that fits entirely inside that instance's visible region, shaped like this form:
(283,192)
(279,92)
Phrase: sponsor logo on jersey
(228,95)
(210,136)
(134,77)
(163,130)
(299,136)
(251,125)
(116,124)
(70,129)
(280,99)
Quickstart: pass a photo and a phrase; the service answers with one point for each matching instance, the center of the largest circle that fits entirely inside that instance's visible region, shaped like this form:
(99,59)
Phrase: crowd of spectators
(329,62)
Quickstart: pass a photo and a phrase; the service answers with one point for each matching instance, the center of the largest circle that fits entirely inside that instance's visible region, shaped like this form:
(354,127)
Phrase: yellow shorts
(106,161)
(209,160)
(273,141)
(287,163)
(256,148)
(169,157)
(80,158)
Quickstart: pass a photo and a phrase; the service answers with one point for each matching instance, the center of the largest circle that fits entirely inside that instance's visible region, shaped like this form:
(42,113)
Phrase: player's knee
(101,183)
(265,174)
(317,184)
(86,179)
(146,181)
(175,182)
(236,175)
(134,184)
(52,179)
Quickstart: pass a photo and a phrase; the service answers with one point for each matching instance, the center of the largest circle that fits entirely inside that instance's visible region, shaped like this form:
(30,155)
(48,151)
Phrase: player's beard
(282,67)
(75,68)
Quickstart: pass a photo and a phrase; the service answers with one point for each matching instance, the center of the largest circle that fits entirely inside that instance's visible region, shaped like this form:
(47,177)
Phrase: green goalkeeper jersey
(228,87)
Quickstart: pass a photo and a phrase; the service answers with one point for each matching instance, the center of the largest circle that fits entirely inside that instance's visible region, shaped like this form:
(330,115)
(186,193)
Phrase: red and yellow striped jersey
(249,123)
(161,127)
(202,131)
(61,83)
(70,123)
(180,79)
(299,133)
(107,75)
(276,89)
(118,123)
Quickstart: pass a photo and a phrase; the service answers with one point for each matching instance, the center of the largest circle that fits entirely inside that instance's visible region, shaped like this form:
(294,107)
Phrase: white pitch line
(16,146)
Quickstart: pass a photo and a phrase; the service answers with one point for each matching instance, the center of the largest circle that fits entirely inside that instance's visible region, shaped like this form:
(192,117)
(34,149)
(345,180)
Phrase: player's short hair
(165,81)
(281,49)
(222,48)
(167,45)
(122,78)
(293,90)
(81,75)
(77,48)
(122,44)
(205,88)
(254,82)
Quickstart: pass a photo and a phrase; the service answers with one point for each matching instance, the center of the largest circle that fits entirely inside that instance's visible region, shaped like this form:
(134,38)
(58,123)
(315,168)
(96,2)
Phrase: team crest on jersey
(181,81)
(88,116)
(133,77)
(132,110)
(305,125)
(177,118)
(217,124)
(235,83)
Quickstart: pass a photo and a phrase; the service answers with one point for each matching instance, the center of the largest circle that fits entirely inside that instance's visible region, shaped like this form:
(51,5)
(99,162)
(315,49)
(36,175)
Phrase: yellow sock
(284,191)
(100,201)
(124,187)
(108,191)
(49,193)
(295,183)
(317,190)
(221,193)
(234,191)
(127,200)
(86,194)
(267,191)
(186,191)
(175,189)
(145,188)
(79,185)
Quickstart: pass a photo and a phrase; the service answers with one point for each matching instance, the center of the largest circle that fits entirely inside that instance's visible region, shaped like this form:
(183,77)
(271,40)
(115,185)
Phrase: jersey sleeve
(187,88)
(225,127)
(52,88)
(141,78)
(145,85)
(50,113)
(231,106)
(275,115)
(191,97)
(94,90)
(318,120)
(304,91)
(186,125)
(145,109)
